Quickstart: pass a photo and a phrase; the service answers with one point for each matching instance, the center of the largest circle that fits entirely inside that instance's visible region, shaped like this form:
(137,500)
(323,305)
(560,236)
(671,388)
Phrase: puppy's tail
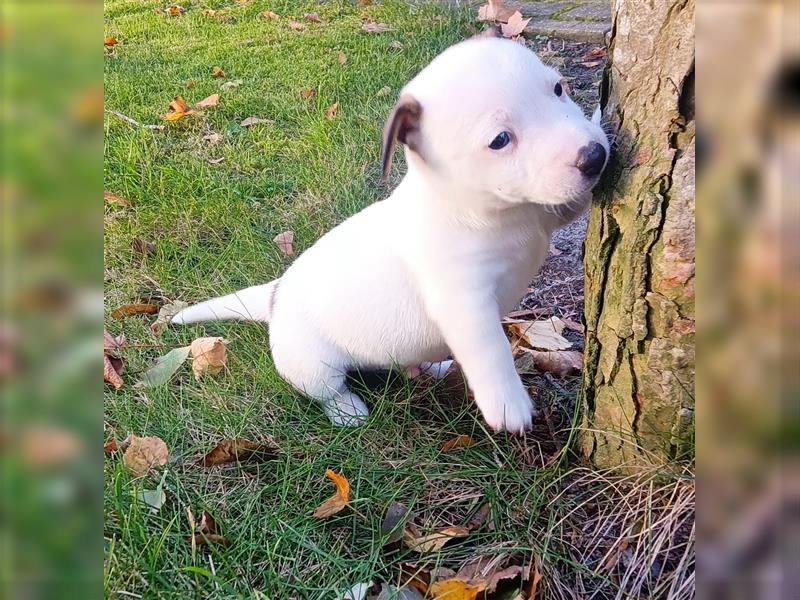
(250,304)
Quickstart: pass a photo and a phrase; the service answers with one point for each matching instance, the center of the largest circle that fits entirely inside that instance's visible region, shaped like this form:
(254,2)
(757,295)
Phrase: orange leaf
(460,441)
(212,100)
(456,589)
(228,451)
(309,93)
(145,453)
(114,199)
(129,310)
(110,41)
(268,14)
(331,111)
(217,72)
(339,500)
(175,10)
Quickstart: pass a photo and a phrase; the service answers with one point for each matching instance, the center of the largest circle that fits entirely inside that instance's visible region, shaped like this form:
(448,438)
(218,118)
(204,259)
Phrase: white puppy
(498,158)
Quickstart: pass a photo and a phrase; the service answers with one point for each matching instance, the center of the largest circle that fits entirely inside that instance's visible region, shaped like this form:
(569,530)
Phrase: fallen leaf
(144,453)
(296,25)
(371,27)
(495,11)
(217,72)
(515,26)
(210,12)
(112,445)
(164,368)
(165,314)
(331,111)
(394,522)
(558,362)
(143,248)
(433,541)
(175,10)
(308,93)
(208,102)
(357,592)
(110,41)
(534,584)
(341,57)
(396,45)
(489,570)
(338,501)
(112,366)
(110,198)
(456,589)
(573,325)
(596,53)
(189,83)
(231,85)
(249,121)
(155,499)
(209,355)
(542,335)
(129,310)
(238,449)
(206,530)
(285,242)
(384,91)
(312,17)
(177,110)
(364,2)
(111,374)
(460,441)
(484,513)
(268,14)
(212,138)
(216,161)
(407,592)
(614,556)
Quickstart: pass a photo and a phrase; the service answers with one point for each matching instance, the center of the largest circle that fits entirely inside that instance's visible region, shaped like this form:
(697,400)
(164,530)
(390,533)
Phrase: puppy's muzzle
(591,159)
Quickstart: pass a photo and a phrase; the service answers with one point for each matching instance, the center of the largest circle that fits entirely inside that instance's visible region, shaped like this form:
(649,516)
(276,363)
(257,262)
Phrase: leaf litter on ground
(145,453)
(205,531)
(112,364)
(165,314)
(164,368)
(209,355)
(285,241)
(541,335)
(339,500)
(236,450)
(137,308)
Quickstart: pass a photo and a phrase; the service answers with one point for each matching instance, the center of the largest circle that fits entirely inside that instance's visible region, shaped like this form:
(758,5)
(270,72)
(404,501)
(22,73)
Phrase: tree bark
(638,381)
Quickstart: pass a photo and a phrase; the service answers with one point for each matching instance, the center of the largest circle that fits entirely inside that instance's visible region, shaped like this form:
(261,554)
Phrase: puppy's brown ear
(491,32)
(401,126)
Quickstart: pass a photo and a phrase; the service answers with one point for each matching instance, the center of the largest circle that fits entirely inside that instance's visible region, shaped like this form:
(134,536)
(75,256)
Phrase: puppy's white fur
(429,271)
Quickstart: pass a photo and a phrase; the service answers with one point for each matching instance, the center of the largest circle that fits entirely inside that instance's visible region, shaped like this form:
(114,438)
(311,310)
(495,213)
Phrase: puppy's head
(486,116)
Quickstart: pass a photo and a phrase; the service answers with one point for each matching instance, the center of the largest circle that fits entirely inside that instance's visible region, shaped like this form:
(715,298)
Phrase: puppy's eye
(501,141)
(558,89)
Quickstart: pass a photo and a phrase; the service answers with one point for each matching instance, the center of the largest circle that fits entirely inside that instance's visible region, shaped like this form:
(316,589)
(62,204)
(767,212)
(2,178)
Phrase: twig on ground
(134,122)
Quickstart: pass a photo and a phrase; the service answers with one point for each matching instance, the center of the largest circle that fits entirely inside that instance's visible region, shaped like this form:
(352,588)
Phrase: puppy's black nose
(591,159)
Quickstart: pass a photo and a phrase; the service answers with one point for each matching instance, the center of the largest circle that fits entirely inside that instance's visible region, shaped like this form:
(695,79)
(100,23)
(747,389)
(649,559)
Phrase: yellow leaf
(110,41)
(456,589)
(144,453)
(433,541)
(209,356)
(339,500)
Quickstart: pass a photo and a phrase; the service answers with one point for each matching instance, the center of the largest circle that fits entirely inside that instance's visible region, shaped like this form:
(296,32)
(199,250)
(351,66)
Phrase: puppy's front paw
(514,413)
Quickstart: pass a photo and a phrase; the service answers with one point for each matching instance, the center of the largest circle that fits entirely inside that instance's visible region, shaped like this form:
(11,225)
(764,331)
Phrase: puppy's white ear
(401,126)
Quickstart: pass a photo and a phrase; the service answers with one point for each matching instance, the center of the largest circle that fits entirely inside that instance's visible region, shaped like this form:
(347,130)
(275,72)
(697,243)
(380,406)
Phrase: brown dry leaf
(144,453)
(209,355)
(558,362)
(312,17)
(129,310)
(339,500)
(484,513)
(217,72)
(268,14)
(542,335)
(112,366)
(296,25)
(142,247)
(456,589)
(228,451)
(308,93)
(495,11)
(460,441)
(341,57)
(331,111)
(433,541)
(165,314)
(285,242)
(364,2)
(371,27)
(596,53)
(515,26)
(384,91)
(212,138)
(250,121)
(189,83)
(110,198)
(573,325)
(534,584)
(112,445)
(208,102)
(110,41)
(210,12)
(175,10)
(216,161)
(396,45)
(206,530)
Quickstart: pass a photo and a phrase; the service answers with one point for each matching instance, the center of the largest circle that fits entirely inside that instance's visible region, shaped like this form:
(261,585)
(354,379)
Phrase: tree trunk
(638,379)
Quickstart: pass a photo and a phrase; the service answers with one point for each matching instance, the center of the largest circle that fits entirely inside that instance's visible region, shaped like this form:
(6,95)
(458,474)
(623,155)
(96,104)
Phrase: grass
(212,227)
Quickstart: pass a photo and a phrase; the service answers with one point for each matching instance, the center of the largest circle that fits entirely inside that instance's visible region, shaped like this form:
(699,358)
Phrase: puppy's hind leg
(321,376)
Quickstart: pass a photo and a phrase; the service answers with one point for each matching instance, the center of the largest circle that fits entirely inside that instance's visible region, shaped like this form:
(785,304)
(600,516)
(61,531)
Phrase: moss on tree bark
(638,379)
